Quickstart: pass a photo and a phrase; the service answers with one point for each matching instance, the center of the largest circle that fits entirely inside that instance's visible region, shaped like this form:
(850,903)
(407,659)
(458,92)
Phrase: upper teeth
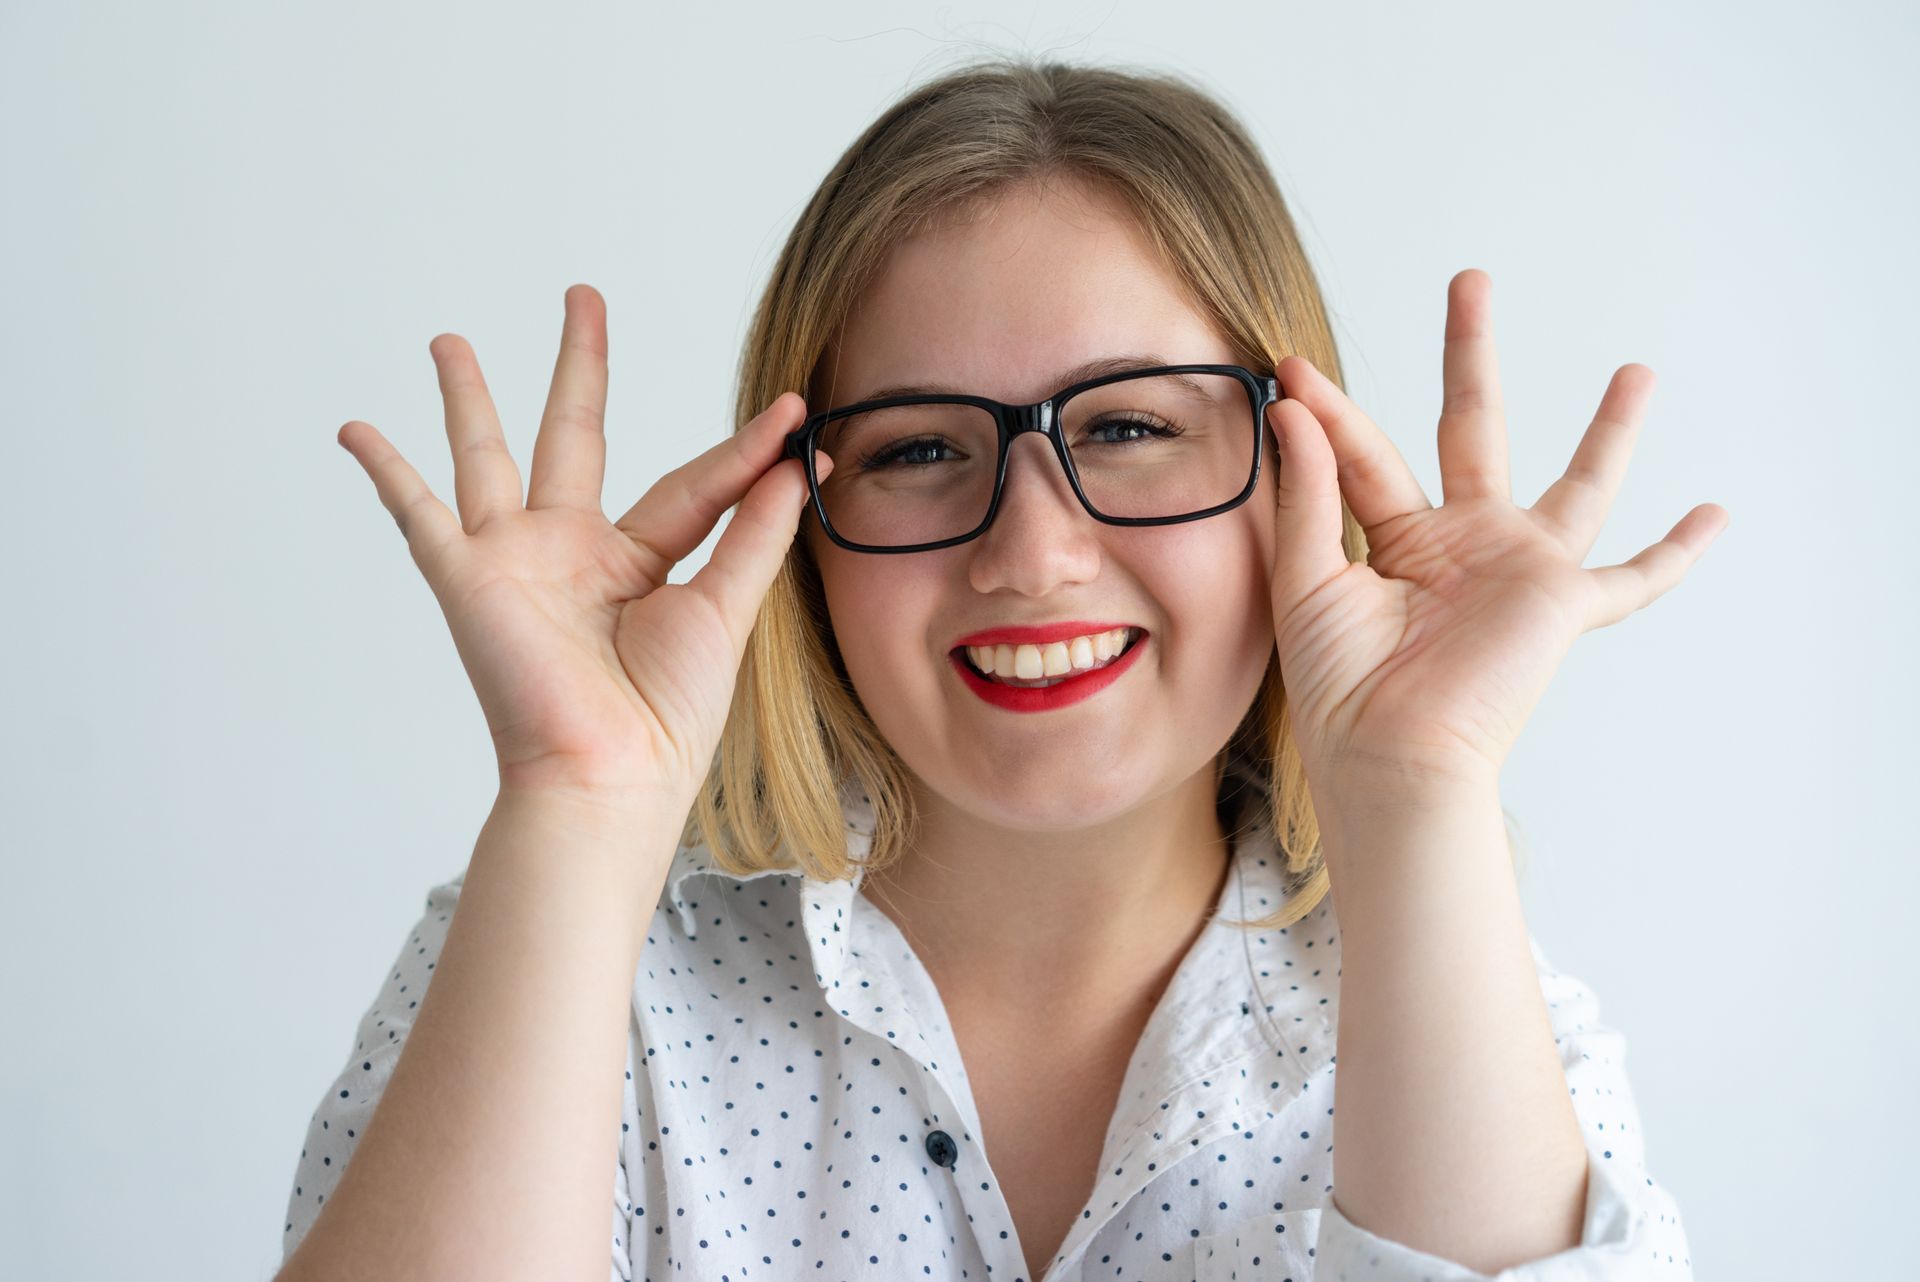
(1030,662)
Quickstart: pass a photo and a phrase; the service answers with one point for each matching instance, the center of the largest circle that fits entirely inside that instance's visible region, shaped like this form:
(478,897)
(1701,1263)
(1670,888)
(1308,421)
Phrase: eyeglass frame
(1043,416)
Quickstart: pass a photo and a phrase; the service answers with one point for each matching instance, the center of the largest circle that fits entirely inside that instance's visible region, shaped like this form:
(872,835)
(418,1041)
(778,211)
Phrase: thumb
(748,556)
(1307,523)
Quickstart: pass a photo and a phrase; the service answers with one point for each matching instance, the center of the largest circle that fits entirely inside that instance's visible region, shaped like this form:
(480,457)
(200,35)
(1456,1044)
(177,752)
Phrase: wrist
(1374,809)
(1383,788)
(599,808)
(611,782)
(579,860)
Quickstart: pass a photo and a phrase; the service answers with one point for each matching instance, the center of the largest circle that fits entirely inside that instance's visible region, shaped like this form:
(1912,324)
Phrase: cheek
(879,620)
(1214,587)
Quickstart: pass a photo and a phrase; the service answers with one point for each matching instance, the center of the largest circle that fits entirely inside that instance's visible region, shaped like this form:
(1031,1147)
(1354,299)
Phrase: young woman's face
(1001,305)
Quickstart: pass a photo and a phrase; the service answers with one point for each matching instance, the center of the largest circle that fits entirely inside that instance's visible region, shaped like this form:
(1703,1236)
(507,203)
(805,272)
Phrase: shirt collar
(1235,987)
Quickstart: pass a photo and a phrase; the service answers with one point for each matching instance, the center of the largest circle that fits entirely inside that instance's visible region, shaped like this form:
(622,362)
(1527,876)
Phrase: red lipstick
(1070,689)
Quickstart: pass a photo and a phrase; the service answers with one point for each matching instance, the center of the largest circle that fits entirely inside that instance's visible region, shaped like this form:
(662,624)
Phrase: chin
(1030,798)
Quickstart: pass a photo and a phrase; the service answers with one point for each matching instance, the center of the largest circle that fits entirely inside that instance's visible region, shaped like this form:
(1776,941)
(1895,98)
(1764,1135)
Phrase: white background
(239,745)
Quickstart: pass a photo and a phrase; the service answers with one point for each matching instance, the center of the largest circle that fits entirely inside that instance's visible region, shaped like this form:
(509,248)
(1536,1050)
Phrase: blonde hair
(1186,170)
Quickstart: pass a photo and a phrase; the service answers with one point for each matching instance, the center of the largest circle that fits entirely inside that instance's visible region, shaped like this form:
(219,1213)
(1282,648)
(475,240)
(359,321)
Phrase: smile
(1045,693)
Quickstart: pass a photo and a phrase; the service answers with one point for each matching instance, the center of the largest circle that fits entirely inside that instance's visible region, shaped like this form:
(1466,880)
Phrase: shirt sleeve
(623,1184)
(349,1101)
(1631,1231)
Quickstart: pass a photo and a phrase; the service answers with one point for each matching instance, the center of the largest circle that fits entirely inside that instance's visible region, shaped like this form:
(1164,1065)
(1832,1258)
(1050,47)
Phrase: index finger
(1374,479)
(681,508)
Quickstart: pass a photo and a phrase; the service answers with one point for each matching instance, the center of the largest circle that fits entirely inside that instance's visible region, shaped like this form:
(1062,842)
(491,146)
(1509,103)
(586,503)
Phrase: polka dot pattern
(795,1105)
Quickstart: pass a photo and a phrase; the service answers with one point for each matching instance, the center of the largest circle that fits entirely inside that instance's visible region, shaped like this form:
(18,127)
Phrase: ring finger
(485,479)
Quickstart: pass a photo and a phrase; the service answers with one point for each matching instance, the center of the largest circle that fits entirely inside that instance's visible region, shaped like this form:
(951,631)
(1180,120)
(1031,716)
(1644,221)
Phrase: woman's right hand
(594,673)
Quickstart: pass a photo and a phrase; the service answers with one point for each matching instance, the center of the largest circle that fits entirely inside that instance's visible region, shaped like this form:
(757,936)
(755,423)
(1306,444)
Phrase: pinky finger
(429,528)
(1647,577)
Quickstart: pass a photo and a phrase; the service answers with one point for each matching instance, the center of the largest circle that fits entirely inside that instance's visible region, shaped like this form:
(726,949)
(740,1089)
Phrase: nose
(1041,537)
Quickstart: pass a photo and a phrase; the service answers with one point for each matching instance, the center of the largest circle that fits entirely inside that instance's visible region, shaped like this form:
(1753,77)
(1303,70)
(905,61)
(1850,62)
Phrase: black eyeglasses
(1196,434)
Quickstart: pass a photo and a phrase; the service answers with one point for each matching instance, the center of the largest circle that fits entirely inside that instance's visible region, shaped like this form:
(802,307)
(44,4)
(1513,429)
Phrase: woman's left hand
(1419,668)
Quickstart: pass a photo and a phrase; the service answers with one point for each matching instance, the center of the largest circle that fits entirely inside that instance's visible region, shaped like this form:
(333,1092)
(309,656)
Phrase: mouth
(1003,657)
(1045,693)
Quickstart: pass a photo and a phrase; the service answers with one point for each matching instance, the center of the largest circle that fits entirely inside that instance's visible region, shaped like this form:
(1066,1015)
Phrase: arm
(1447,1091)
(1411,675)
(1454,1131)
(491,1147)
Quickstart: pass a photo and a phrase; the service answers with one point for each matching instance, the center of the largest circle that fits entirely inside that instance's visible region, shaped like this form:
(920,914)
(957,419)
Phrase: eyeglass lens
(1155,447)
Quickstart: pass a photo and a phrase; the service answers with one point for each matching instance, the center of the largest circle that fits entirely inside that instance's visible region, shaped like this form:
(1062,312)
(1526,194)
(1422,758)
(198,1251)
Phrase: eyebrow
(1097,368)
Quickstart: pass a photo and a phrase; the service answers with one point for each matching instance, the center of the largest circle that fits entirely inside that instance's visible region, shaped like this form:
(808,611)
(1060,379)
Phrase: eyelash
(869,462)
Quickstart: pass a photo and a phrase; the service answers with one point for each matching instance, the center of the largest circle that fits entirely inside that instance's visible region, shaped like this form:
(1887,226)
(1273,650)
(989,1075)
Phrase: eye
(899,450)
(1147,429)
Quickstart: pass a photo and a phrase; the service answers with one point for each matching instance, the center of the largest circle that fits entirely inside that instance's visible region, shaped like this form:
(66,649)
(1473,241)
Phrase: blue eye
(1153,431)
(900,449)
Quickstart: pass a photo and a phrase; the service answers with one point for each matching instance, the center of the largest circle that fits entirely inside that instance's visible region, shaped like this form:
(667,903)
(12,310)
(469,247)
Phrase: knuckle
(486,443)
(579,414)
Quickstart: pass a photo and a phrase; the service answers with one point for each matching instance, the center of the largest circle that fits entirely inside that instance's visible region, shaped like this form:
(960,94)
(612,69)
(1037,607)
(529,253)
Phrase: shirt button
(942,1149)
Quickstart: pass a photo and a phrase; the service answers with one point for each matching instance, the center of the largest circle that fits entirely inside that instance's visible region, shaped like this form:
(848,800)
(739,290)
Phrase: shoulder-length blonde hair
(1183,166)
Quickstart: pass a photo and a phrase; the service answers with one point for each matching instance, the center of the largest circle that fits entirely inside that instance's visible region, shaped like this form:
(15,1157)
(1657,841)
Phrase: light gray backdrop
(239,745)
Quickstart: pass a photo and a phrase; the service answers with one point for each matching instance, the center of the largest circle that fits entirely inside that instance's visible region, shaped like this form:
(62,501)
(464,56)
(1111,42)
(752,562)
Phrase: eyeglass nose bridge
(1020,419)
(1029,418)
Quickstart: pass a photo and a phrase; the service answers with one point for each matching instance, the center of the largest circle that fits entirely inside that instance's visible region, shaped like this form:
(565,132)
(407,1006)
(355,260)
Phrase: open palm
(1424,664)
(593,672)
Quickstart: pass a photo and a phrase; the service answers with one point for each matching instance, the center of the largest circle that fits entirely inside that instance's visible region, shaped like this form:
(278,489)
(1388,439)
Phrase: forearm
(1453,1132)
(492,1148)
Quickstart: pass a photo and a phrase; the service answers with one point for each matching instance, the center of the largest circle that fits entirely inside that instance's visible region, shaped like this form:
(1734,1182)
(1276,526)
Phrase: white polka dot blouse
(796,1106)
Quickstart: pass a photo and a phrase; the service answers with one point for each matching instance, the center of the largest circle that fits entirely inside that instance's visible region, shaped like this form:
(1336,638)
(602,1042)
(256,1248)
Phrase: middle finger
(1473,423)
(570,452)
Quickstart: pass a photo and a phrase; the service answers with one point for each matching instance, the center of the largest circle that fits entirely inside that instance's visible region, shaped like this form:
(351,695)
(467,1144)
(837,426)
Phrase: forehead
(999,300)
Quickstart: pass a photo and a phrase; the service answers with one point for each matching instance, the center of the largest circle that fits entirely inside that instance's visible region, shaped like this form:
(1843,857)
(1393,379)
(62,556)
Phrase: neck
(1103,913)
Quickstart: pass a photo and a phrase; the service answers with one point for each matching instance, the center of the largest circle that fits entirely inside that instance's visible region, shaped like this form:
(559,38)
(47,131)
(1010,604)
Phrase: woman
(952,856)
